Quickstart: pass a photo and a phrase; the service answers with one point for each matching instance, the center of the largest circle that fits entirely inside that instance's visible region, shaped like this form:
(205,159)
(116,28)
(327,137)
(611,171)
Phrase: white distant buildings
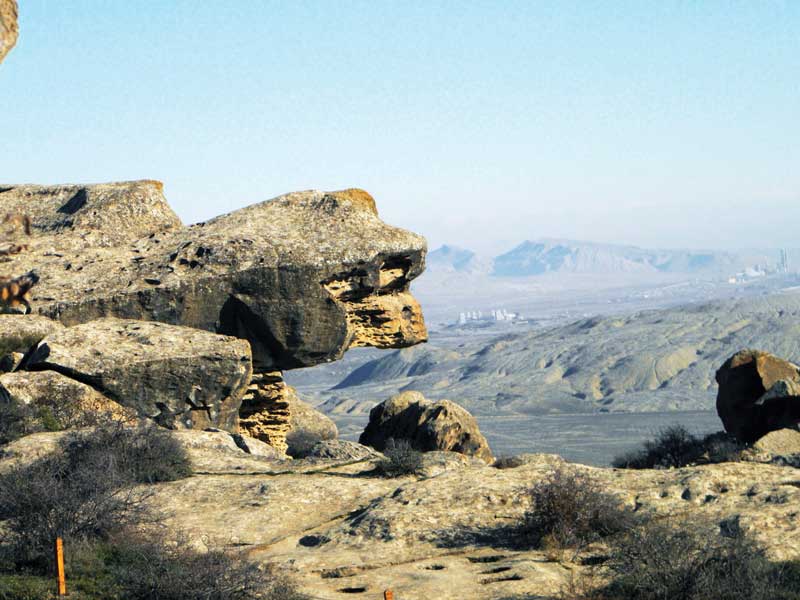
(783,263)
(494,315)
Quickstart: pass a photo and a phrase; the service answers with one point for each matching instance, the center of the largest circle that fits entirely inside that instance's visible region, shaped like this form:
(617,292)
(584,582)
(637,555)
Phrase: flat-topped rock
(180,377)
(90,216)
(302,277)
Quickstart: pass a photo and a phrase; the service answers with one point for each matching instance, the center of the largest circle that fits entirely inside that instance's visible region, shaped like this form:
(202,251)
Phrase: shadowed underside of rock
(8,26)
(302,277)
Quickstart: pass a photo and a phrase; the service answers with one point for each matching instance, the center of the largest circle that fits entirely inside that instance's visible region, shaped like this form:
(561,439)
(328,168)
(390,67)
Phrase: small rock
(427,425)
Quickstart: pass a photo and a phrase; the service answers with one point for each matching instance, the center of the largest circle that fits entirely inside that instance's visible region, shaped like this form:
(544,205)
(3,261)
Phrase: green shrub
(25,587)
(675,446)
(401,459)
(569,510)
(16,421)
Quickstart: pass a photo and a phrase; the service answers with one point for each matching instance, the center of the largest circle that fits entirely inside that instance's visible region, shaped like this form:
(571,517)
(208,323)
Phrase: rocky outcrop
(758,393)
(781,447)
(427,426)
(8,26)
(75,217)
(180,377)
(307,426)
(264,413)
(302,277)
(57,402)
(272,412)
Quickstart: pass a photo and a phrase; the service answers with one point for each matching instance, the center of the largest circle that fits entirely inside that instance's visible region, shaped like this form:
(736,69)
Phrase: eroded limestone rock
(427,425)
(180,377)
(758,393)
(9,29)
(302,277)
(265,414)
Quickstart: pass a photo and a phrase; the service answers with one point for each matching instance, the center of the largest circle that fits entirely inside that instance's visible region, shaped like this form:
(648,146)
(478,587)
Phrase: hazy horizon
(669,125)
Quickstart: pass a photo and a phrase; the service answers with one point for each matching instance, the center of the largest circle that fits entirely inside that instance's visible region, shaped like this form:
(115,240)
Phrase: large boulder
(8,26)
(426,425)
(758,393)
(302,277)
(180,377)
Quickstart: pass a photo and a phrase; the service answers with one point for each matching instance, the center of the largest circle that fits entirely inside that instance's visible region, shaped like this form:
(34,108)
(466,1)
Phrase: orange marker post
(61,577)
(388,595)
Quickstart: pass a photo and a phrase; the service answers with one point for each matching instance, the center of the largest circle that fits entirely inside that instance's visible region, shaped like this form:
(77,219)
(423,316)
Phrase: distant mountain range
(532,258)
(660,360)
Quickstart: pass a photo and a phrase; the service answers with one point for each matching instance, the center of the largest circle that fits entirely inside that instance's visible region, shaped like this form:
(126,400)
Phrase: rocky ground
(448,533)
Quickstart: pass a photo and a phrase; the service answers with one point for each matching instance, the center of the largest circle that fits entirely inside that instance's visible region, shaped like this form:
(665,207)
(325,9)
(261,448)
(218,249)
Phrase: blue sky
(474,123)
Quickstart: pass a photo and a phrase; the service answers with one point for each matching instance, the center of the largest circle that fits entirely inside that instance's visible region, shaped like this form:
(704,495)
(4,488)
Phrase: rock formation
(427,426)
(302,277)
(758,393)
(177,376)
(264,414)
(8,26)
(308,426)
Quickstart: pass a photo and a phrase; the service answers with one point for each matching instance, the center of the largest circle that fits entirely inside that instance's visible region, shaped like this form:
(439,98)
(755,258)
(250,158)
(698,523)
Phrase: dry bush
(570,510)
(144,569)
(662,560)
(675,446)
(86,489)
(401,459)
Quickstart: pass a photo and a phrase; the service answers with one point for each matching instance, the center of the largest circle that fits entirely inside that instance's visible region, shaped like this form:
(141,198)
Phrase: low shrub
(675,446)
(25,587)
(661,560)
(85,490)
(570,510)
(142,569)
(129,567)
(401,459)
(16,421)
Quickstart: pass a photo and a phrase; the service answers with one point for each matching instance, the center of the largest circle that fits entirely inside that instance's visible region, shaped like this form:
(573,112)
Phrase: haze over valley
(570,328)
